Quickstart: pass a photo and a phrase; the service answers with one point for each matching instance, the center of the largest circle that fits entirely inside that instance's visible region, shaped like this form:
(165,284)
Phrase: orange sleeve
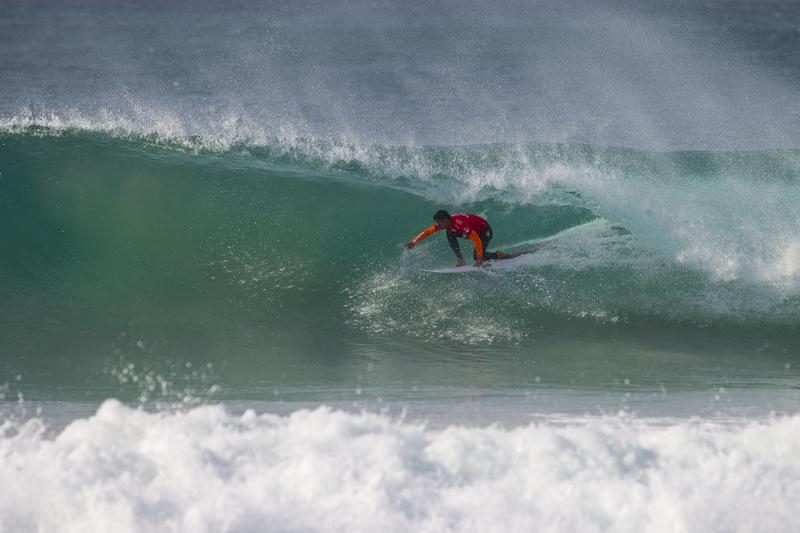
(427,232)
(473,236)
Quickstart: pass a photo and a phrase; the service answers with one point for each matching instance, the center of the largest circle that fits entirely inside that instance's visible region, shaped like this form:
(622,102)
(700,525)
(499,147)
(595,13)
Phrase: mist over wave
(690,75)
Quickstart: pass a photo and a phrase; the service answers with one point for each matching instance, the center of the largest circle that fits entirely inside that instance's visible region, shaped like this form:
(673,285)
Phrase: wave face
(131,246)
(208,470)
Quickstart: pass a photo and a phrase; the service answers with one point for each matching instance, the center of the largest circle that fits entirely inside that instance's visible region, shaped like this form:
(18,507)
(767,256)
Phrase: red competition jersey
(464,223)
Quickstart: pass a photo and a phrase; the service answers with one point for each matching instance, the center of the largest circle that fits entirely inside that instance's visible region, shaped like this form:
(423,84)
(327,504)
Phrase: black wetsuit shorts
(485,236)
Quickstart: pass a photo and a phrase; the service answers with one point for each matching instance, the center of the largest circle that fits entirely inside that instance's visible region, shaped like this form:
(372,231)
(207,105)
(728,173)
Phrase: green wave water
(146,266)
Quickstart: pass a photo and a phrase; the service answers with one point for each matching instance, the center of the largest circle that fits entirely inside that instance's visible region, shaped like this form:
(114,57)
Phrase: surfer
(465,226)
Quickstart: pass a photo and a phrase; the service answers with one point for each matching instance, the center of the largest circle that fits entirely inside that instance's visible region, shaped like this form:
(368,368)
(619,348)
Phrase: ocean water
(208,321)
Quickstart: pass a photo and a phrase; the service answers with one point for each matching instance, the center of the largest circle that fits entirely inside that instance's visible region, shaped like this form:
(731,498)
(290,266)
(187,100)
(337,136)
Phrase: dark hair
(441,214)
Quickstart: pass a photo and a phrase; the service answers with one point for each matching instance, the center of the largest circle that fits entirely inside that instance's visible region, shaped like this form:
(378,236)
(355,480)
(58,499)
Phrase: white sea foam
(322,470)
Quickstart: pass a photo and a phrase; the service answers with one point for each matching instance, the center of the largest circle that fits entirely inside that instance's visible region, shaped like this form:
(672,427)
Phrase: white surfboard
(490,266)
(466,269)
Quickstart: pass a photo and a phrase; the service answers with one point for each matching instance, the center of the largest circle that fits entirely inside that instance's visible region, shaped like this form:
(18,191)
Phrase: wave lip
(208,470)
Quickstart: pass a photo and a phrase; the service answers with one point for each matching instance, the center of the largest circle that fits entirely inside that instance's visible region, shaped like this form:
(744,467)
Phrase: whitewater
(208,321)
(322,470)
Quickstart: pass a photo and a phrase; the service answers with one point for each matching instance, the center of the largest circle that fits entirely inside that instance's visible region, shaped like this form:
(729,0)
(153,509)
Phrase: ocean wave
(680,236)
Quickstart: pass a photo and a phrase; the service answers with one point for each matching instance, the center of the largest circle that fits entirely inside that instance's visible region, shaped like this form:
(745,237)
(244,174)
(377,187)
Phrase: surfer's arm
(476,240)
(451,238)
(424,234)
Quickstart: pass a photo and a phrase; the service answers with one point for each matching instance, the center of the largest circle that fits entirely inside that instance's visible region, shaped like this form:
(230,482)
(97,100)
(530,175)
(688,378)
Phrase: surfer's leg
(488,255)
(486,236)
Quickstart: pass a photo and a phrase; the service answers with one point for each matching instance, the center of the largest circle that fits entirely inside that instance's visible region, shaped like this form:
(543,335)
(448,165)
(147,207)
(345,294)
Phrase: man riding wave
(464,226)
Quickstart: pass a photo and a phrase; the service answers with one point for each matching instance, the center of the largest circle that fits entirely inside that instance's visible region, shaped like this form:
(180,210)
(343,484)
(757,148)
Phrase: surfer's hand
(409,245)
(479,262)
(460,263)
